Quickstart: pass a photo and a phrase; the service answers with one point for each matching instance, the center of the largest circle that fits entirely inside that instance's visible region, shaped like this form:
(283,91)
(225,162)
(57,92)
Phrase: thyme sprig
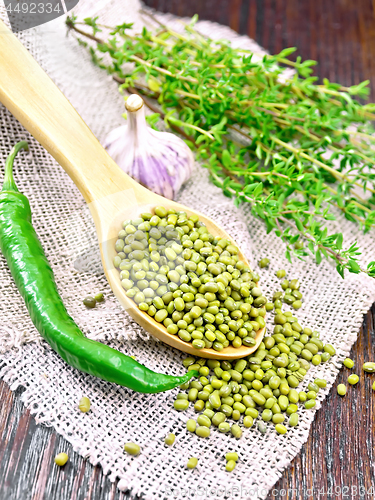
(290,148)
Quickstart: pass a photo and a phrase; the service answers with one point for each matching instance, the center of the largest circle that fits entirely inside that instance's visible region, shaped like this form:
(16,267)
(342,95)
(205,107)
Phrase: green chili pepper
(35,281)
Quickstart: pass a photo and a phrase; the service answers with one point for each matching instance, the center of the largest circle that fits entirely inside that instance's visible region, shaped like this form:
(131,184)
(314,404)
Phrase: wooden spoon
(32,97)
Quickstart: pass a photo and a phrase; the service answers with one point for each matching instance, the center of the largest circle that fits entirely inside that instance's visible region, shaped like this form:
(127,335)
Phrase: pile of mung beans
(262,385)
(189,280)
(195,284)
(216,415)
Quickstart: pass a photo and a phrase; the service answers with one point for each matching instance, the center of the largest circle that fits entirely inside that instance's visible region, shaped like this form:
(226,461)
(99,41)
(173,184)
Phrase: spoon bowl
(142,318)
(112,196)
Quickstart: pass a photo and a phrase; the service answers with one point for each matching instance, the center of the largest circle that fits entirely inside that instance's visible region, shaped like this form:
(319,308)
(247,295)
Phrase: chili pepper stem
(9,184)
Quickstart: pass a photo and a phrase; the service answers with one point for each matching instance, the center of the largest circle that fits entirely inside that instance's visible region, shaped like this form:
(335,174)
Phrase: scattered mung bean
(192,463)
(169,439)
(262,427)
(353,379)
(230,465)
(191,425)
(269,378)
(61,459)
(320,382)
(264,263)
(89,302)
(202,431)
(231,455)
(84,404)
(224,427)
(236,431)
(280,429)
(132,449)
(281,273)
(293,420)
(310,404)
(349,363)
(181,404)
(330,349)
(369,367)
(341,390)
(203,420)
(248,421)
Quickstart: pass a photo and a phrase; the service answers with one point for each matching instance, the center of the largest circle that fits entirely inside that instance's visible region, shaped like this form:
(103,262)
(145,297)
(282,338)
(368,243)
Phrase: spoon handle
(32,97)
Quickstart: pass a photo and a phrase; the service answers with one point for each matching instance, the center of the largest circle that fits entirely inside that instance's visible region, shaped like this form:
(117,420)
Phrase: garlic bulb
(159,160)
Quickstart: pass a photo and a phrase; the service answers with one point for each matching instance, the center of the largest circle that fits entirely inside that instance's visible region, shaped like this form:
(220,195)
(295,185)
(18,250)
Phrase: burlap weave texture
(333,306)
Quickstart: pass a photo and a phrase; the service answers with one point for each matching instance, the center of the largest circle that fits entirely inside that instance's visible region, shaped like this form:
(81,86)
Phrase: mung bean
(202,431)
(263,263)
(191,425)
(203,420)
(320,382)
(192,463)
(169,439)
(330,349)
(181,404)
(293,420)
(61,459)
(248,421)
(369,367)
(218,418)
(84,404)
(349,363)
(132,449)
(224,427)
(278,418)
(236,431)
(89,302)
(280,429)
(310,403)
(266,379)
(341,390)
(302,396)
(232,455)
(230,465)
(353,379)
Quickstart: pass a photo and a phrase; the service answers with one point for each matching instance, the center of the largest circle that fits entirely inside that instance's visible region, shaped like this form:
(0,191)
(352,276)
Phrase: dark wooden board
(339,34)
(27,468)
(339,454)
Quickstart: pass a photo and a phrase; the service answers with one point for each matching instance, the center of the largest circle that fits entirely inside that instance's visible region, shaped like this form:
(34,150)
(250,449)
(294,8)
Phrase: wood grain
(339,34)
(340,450)
(27,468)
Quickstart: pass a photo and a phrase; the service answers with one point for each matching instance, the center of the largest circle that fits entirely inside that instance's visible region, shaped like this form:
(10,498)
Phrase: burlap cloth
(52,389)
